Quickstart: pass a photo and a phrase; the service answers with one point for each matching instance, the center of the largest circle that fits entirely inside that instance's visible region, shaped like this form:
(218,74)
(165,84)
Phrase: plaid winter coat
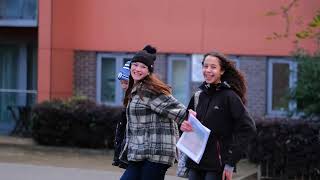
(152,129)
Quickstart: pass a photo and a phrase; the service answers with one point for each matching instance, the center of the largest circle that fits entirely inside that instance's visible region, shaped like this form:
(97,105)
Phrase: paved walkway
(21,158)
(16,171)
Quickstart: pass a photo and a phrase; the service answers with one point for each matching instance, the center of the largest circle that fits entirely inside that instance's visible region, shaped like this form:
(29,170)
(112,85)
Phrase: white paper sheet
(193,143)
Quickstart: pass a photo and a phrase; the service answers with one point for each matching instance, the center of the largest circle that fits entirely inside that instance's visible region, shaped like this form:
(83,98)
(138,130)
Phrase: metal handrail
(18,91)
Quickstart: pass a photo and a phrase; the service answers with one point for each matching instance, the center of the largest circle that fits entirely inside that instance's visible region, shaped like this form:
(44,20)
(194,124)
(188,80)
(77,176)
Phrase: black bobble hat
(146,56)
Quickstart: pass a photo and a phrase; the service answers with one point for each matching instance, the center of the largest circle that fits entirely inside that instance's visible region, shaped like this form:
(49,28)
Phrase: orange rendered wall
(55,64)
(177,26)
(44,51)
(234,27)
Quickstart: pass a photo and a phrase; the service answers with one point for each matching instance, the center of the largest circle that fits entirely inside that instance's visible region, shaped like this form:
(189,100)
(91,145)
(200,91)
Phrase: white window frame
(292,83)
(196,69)
(185,58)
(119,57)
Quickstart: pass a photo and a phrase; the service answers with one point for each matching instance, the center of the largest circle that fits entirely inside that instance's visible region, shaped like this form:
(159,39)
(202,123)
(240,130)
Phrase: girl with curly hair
(221,108)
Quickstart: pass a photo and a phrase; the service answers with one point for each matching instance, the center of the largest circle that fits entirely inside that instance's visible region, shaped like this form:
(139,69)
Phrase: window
(23,13)
(197,68)
(18,80)
(282,75)
(109,90)
(179,77)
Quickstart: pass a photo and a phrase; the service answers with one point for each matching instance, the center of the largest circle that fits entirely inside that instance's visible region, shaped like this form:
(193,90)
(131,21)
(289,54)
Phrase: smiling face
(211,70)
(124,84)
(139,71)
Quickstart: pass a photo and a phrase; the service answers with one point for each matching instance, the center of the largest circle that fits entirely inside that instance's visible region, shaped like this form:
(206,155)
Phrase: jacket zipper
(219,154)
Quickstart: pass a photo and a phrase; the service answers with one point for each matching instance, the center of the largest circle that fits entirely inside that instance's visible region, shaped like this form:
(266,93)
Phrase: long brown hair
(150,82)
(231,75)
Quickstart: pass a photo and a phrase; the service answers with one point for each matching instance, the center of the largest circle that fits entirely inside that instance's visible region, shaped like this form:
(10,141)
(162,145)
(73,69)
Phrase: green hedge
(76,122)
(291,146)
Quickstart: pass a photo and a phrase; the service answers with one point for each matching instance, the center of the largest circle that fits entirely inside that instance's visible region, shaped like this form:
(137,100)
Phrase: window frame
(196,69)
(18,23)
(119,58)
(184,58)
(292,83)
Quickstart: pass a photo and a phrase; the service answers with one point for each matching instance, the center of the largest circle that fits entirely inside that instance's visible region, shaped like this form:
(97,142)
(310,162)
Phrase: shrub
(291,146)
(51,123)
(77,122)
(306,92)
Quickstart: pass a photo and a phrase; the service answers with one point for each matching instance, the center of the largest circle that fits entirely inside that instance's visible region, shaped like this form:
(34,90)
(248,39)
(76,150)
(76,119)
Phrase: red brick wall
(85,67)
(255,70)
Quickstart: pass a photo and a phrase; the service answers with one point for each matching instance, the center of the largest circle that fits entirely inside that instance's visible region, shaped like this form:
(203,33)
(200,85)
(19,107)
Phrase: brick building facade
(253,67)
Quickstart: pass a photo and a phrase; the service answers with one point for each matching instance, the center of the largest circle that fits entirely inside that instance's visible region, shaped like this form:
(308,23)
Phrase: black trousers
(204,175)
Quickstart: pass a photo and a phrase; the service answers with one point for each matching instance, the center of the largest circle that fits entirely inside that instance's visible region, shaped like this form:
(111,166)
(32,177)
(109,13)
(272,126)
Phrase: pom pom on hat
(150,49)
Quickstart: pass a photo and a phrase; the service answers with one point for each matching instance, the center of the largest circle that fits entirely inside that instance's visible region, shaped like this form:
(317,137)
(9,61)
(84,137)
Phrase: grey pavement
(15,171)
(22,159)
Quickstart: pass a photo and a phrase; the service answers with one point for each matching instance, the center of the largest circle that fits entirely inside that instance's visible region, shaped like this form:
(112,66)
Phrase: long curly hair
(150,82)
(231,75)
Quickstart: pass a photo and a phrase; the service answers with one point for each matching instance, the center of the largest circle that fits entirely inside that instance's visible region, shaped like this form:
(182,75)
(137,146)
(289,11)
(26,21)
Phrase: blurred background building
(60,48)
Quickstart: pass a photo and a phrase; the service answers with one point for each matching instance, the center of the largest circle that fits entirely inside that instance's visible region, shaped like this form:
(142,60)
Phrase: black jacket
(221,110)
(120,140)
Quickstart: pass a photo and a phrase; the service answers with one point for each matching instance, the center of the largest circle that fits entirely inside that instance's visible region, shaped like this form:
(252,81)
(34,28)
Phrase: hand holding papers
(193,143)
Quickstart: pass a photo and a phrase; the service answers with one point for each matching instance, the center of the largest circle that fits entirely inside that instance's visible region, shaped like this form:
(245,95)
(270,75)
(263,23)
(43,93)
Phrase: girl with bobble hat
(152,115)
(123,77)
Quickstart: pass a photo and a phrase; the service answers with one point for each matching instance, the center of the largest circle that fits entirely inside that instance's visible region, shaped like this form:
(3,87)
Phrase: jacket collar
(209,88)
(136,87)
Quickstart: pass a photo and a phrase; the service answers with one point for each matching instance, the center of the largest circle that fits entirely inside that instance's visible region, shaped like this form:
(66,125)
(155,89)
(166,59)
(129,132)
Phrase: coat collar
(209,88)
(136,87)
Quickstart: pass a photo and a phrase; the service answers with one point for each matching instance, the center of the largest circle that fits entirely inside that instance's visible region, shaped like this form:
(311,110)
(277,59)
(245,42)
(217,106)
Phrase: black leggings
(204,175)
